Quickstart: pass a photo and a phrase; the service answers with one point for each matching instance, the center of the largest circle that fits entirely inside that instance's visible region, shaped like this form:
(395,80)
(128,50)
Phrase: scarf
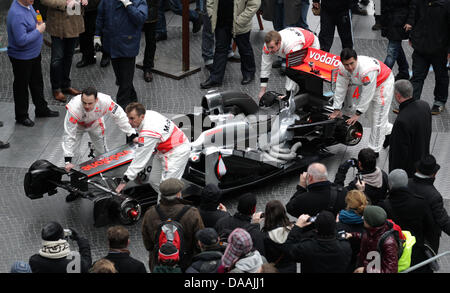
(55,249)
(350,217)
(374,179)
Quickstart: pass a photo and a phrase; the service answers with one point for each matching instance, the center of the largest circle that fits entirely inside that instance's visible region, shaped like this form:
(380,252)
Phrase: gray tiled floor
(22,219)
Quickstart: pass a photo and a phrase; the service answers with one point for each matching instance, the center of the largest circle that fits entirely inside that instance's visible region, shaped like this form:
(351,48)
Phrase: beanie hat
(397,179)
(53,231)
(326,224)
(207,236)
(170,187)
(20,267)
(247,204)
(211,194)
(374,216)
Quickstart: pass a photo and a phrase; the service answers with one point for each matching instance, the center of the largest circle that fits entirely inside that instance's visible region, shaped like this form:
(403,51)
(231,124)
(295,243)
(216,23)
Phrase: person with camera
(55,255)
(210,207)
(350,220)
(375,180)
(316,193)
(276,229)
(327,252)
(244,218)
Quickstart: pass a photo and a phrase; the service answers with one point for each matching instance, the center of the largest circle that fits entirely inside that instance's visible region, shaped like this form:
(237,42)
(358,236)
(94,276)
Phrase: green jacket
(243,12)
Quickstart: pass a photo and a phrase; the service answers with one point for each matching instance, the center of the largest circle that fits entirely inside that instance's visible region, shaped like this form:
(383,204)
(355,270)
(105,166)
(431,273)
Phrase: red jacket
(389,250)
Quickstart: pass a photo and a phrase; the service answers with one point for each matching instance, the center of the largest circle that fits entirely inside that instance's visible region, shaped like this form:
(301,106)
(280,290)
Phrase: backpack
(170,232)
(405,241)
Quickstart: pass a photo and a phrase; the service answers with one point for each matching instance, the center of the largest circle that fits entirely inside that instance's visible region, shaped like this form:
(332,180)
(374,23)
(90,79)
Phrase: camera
(353,162)
(342,234)
(312,219)
(360,177)
(262,215)
(67,233)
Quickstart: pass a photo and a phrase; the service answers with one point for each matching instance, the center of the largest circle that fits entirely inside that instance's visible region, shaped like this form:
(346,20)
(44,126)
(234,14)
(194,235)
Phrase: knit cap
(374,216)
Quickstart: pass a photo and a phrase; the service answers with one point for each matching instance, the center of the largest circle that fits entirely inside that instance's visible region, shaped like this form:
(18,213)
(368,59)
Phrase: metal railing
(424,263)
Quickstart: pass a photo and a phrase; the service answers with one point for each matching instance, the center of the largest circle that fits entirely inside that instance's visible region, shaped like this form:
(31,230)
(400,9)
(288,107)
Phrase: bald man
(316,193)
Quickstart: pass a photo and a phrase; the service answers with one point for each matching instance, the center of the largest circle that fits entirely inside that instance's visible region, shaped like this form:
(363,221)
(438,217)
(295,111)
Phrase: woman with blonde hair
(350,220)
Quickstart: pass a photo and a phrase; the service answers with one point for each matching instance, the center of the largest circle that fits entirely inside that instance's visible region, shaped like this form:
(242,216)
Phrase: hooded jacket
(273,240)
(250,263)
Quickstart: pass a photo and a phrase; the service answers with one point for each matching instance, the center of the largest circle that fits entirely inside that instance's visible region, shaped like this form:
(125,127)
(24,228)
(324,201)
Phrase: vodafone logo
(325,58)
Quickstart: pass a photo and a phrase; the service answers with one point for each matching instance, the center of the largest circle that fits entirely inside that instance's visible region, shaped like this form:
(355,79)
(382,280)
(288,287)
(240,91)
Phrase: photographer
(324,253)
(55,255)
(374,179)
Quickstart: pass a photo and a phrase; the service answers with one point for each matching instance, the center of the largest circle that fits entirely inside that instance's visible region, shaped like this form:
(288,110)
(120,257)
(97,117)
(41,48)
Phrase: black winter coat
(40,264)
(206,262)
(211,216)
(424,187)
(431,27)
(152,10)
(124,263)
(412,213)
(355,243)
(226,225)
(274,253)
(335,6)
(394,16)
(410,137)
(318,255)
(314,199)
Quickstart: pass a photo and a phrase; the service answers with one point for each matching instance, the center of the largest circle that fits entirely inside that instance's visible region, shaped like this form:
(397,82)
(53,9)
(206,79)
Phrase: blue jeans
(61,62)
(302,22)
(279,22)
(395,53)
(177,8)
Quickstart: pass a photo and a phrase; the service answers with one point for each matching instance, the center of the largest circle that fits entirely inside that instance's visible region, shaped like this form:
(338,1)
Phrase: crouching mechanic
(280,44)
(377,83)
(85,114)
(159,133)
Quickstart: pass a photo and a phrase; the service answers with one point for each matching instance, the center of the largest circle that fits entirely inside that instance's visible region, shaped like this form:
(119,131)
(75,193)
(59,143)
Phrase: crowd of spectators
(337,225)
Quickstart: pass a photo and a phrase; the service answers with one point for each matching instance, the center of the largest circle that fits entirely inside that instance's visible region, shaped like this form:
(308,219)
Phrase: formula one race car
(235,142)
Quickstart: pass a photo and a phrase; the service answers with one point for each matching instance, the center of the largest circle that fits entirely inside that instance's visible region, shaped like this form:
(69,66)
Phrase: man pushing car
(160,134)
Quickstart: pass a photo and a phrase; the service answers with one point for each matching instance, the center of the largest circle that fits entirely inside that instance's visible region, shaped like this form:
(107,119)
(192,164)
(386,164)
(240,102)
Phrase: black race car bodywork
(234,143)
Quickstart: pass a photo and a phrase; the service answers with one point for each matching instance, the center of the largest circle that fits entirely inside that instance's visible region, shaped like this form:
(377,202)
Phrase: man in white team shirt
(159,133)
(377,83)
(280,44)
(85,114)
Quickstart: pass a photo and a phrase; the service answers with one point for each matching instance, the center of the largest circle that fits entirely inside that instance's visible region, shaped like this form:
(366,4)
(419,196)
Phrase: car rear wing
(315,62)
